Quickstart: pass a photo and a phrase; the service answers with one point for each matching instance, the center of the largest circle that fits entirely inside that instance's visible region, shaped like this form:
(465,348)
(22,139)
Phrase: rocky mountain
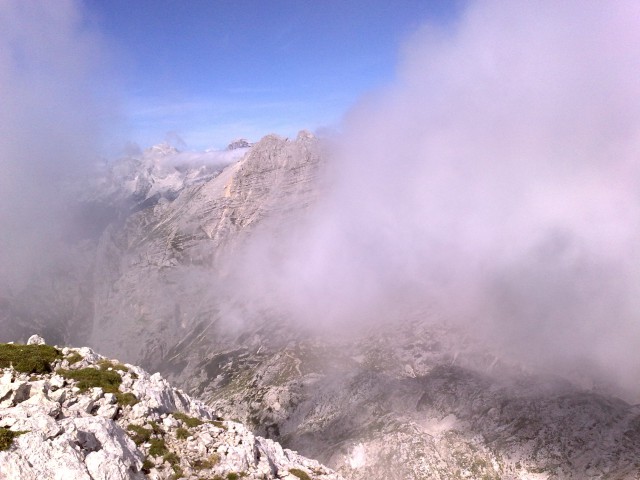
(73,414)
(411,397)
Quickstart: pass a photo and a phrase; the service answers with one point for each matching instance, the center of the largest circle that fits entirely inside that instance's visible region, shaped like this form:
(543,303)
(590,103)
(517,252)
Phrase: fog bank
(56,94)
(497,183)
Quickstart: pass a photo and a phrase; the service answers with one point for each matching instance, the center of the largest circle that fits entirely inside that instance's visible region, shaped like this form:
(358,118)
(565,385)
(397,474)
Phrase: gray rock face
(160,277)
(67,432)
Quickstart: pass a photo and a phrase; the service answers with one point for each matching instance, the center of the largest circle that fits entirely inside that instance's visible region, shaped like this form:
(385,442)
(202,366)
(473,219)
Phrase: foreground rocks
(133,426)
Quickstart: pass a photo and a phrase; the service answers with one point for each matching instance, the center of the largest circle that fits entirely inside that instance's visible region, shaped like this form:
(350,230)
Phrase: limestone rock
(67,432)
(35,340)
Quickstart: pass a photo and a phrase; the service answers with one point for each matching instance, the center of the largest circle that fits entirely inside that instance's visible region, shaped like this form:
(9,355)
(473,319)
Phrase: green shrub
(301,474)
(139,434)
(177,472)
(6,438)
(147,465)
(182,433)
(155,427)
(126,398)
(158,447)
(75,357)
(171,457)
(28,358)
(190,422)
(232,476)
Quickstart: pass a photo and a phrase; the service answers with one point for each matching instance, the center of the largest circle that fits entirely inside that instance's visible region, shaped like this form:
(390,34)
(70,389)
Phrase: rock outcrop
(91,418)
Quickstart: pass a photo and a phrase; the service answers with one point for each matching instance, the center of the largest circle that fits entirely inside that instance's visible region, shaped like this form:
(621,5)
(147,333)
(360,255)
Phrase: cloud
(56,95)
(497,182)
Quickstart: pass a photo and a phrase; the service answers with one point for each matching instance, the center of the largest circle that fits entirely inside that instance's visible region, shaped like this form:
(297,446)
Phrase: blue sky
(212,71)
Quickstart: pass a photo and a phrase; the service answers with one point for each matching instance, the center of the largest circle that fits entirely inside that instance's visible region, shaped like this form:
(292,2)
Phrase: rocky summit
(72,414)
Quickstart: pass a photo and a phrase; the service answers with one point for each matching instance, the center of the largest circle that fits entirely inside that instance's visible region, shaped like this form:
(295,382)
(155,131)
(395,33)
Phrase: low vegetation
(182,433)
(301,474)
(126,398)
(218,424)
(190,422)
(139,434)
(204,464)
(28,358)
(75,357)
(87,378)
(158,448)
(147,465)
(108,380)
(6,438)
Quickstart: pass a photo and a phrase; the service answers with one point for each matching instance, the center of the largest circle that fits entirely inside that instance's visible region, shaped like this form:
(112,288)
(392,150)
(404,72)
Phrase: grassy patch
(233,476)
(301,474)
(6,438)
(108,380)
(28,358)
(210,462)
(126,398)
(87,378)
(219,424)
(171,457)
(107,364)
(182,433)
(158,447)
(177,472)
(139,434)
(190,422)
(157,429)
(147,465)
(75,357)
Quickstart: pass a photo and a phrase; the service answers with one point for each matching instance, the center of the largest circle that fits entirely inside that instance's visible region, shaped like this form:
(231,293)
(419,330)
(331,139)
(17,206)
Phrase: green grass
(126,398)
(28,358)
(108,380)
(139,434)
(190,422)
(171,457)
(208,463)
(182,433)
(157,429)
(301,474)
(219,424)
(6,438)
(107,364)
(75,357)
(147,465)
(158,447)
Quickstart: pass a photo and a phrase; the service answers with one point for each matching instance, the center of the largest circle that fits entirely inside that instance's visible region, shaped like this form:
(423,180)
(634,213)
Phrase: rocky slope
(420,402)
(78,415)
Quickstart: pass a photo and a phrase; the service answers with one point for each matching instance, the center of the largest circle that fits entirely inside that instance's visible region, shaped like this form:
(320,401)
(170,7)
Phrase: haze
(494,182)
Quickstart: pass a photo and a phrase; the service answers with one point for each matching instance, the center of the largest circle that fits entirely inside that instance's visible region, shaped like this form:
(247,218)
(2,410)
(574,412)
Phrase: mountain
(165,281)
(73,414)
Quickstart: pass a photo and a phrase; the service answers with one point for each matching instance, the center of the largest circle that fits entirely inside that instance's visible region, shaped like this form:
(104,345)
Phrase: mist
(56,95)
(494,185)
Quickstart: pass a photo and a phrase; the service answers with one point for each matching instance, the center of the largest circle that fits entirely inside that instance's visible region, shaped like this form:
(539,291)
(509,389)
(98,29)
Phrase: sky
(202,73)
